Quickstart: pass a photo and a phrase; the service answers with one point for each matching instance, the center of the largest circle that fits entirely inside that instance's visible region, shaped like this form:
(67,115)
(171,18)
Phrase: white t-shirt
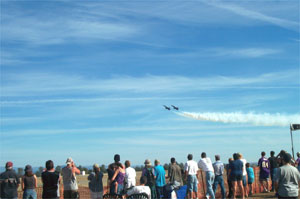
(139,189)
(191,167)
(244,166)
(205,164)
(130,175)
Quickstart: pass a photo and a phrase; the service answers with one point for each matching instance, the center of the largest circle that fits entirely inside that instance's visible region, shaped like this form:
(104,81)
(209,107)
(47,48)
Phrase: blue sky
(88,79)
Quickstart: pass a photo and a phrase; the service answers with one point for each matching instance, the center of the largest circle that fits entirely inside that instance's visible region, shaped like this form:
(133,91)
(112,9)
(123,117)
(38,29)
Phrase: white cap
(69,160)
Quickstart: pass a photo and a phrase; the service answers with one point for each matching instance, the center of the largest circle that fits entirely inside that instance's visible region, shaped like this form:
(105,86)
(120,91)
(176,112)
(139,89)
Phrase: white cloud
(204,12)
(246,52)
(292,25)
(97,130)
(39,84)
(213,52)
(18,120)
(33,31)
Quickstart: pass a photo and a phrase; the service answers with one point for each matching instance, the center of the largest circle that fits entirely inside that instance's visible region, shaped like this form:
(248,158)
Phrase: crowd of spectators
(156,183)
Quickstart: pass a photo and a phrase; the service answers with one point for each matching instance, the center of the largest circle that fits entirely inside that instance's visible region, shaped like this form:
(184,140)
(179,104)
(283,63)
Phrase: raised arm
(75,170)
(115,174)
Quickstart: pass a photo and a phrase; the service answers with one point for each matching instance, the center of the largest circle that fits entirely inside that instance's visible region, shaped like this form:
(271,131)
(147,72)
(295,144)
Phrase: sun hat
(147,162)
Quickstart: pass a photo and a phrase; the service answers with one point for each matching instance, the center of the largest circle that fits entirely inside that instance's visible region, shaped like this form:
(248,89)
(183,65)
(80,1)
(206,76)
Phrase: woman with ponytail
(29,183)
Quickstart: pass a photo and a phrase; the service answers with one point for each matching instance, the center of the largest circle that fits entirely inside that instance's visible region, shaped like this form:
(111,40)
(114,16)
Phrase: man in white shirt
(206,165)
(244,174)
(191,176)
(140,189)
(130,175)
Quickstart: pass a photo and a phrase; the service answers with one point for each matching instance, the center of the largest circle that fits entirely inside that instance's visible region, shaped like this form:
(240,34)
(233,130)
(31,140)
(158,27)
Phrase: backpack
(150,177)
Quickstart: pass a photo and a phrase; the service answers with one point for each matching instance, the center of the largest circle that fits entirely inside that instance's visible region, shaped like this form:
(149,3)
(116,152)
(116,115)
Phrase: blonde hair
(241,156)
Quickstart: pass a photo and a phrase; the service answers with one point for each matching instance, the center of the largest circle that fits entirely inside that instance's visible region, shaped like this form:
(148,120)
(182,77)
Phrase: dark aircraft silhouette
(166,107)
(175,107)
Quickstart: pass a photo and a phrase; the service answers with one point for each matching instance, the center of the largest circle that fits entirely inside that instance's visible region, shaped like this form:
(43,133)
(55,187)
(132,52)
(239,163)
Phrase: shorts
(250,180)
(263,179)
(244,179)
(192,183)
(120,189)
(71,194)
(96,195)
(263,176)
(237,177)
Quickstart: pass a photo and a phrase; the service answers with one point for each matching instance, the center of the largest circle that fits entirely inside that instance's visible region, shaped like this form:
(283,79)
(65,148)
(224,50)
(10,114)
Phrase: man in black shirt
(9,182)
(51,181)
(273,167)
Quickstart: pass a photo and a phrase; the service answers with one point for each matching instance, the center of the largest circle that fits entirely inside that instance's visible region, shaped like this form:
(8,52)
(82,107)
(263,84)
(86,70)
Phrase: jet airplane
(166,107)
(175,107)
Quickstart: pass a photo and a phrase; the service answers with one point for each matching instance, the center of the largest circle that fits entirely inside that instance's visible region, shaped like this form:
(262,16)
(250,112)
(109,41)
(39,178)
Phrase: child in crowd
(250,174)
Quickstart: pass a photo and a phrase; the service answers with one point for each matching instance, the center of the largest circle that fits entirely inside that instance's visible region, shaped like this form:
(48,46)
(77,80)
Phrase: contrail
(264,119)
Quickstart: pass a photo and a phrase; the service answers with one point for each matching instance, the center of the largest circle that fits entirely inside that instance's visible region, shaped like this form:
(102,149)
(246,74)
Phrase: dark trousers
(71,194)
(112,188)
(229,188)
(159,191)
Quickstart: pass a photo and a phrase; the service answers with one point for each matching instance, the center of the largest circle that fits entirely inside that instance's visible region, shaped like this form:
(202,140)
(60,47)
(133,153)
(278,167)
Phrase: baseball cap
(69,160)
(96,165)
(8,164)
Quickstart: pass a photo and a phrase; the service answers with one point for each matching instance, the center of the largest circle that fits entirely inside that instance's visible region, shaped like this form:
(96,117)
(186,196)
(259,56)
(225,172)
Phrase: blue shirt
(250,173)
(95,182)
(160,173)
(236,168)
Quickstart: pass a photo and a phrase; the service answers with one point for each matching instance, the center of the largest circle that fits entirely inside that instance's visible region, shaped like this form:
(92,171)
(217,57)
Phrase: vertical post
(203,184)
(292,143)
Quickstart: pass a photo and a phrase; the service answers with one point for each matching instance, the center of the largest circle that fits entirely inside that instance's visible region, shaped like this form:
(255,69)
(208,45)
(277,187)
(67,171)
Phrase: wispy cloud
(22,57)
(33,31)
(292,25)
(17,120)
(225,131)
(213,52)
(32,84)
(99,130)
(93,99)
(246,52)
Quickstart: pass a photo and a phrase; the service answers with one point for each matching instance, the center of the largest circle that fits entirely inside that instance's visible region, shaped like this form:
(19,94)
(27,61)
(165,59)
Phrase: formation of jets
(169,108)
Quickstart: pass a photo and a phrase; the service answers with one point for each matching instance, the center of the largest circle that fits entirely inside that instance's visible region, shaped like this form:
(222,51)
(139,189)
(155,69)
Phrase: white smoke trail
(264,119)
